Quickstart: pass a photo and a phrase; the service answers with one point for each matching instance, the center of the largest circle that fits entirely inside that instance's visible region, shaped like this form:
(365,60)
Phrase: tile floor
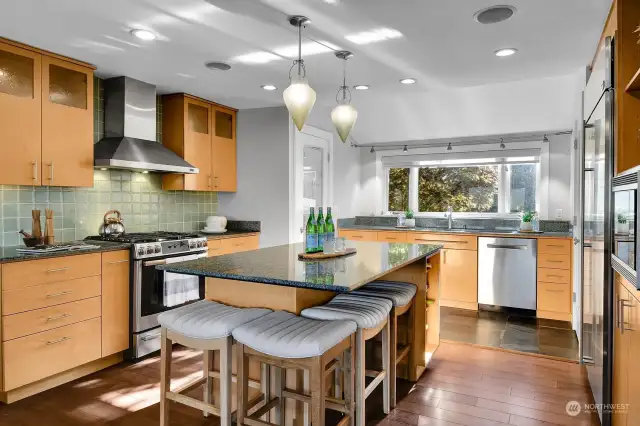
(509,330)
(464,385)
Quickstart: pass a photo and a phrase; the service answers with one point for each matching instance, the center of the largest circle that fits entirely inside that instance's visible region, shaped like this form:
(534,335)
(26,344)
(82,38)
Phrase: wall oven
(625,206)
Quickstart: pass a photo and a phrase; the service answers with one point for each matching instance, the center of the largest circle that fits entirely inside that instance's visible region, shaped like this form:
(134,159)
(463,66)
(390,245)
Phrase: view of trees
(465,189)
(523,187)
(398,190)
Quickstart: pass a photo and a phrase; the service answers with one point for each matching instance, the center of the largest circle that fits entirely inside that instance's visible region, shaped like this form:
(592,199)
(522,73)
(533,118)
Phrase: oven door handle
(164,261)
(154,262)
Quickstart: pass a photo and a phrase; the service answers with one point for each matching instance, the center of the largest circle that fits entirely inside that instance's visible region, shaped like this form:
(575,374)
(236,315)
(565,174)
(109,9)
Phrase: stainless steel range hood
(130,131)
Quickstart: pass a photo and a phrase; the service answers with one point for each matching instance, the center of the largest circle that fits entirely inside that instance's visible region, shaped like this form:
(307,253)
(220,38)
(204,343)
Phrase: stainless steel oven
(625,224)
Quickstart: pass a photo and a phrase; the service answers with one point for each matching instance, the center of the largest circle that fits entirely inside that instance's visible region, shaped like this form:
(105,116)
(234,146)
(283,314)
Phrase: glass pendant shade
(299,98)
(344,117)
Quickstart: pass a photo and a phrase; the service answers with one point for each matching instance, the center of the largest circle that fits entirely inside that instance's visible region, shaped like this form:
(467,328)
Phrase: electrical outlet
(558,213)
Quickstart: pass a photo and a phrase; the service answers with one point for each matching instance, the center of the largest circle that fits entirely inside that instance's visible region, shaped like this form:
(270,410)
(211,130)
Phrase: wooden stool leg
(226,355)
(242,385)
(393,362)
(337,379)
(265,386)
(281,381)
(306,389)
(386,354)
(318,391)
(349,381)
(207,365)
(165,376)
(359,377)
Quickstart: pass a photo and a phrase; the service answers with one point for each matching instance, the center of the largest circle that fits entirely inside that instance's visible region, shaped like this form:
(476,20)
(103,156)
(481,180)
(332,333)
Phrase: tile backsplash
(78,212)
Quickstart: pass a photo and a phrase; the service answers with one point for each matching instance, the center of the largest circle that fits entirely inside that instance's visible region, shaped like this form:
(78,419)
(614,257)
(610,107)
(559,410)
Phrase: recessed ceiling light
(143,34)
(269,87)
(408,81)
(362,87)
(494,14)
(218,66)
(308,48)
(505,52)
(373,36)
(256,58)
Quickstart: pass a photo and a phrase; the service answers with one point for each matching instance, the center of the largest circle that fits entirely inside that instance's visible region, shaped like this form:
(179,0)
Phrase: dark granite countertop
(229,234)
(280,265)
(473,231)
(10,254)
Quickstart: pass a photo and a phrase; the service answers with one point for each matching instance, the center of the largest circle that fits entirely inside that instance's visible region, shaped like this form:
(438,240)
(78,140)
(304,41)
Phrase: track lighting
(372,150)
(405,149)
(502,145)
(545,139)
(449,148)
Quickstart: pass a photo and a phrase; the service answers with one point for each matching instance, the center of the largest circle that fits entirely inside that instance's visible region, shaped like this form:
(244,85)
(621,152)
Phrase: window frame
(504,191)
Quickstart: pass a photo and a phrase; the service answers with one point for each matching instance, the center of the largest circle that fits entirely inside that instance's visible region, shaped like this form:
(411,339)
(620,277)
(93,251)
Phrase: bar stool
(402,295)
(204,325)
(284,340)
(371,314)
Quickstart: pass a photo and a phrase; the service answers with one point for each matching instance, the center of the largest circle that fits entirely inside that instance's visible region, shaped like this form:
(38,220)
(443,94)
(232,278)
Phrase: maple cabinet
(203,134)
(115,302)
(46,117)
(459,279)
(555,290)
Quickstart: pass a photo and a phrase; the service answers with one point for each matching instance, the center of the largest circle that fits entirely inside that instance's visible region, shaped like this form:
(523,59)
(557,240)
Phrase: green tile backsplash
(78,212)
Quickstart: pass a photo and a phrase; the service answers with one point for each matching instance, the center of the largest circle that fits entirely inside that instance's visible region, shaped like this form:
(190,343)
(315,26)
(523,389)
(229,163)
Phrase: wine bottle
(329,228)
(321,230)
(311,236)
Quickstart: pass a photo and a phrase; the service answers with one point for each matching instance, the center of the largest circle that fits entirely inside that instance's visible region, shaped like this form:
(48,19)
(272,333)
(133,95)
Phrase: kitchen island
(274,278)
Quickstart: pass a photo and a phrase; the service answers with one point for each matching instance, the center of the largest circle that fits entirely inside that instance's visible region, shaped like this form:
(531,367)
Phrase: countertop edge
(476,232)
(27,257)
(234,234)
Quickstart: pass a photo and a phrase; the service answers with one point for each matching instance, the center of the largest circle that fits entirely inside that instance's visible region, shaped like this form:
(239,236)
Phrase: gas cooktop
(145,237)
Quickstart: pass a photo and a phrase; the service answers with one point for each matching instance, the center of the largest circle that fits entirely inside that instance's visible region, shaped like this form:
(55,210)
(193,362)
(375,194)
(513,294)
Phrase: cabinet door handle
(390,238)
(118,261)
(57,317)
(554,291)
(444,257)
(216,184)
(51,171)
(66,268)
(62,293)
(555,261)
(35,170)
(209,183)
(60,340)
(555,276)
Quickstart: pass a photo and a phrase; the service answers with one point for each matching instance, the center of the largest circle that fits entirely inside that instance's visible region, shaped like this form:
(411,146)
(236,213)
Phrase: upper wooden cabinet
(204,134)
(46,117)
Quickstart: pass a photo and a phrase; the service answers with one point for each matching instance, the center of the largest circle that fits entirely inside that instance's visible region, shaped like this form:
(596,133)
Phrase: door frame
(295,160)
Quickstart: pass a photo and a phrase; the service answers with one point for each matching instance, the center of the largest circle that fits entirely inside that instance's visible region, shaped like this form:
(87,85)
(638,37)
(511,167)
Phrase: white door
(312,176)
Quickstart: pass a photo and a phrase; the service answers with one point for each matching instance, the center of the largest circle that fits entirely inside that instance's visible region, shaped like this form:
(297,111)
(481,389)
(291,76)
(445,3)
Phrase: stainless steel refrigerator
(597,290)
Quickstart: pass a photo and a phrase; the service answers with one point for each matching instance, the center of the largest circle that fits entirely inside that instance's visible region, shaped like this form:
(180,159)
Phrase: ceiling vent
(218,66)
(494,14)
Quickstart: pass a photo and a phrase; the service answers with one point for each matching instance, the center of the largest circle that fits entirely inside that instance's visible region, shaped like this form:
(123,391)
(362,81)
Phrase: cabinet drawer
(350,234)
(560,276)
(554,297)
(554,261)
(31,358)
(461,242)
(392,237)
(20,325)
(238,244)
(42,296)
(215,248)
(34,272)
(554,246)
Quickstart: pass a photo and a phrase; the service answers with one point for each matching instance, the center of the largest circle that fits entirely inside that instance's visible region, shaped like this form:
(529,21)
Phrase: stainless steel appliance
(596,224)
(153,291)
(130,130)
(625,228)
(507,272)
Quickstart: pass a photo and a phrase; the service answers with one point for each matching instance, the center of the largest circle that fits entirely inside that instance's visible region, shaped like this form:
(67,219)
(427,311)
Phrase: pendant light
(344,115)
(299,97)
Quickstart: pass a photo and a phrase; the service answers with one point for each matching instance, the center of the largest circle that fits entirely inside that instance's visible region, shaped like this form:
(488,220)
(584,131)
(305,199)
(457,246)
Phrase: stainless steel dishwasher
(507,270)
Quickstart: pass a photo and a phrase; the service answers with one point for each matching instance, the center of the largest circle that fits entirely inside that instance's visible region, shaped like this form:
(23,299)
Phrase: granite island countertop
(11,254)
(280,265)
(470,231)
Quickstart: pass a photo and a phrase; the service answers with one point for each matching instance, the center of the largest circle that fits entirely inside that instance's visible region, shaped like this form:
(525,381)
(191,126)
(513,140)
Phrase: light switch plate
(558,213)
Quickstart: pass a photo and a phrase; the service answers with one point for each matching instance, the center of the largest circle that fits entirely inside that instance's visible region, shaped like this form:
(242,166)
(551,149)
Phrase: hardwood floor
(465,385)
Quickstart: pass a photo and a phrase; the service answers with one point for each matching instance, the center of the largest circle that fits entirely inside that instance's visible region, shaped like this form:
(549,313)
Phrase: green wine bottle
(329,228)
(321,230)
(311,237)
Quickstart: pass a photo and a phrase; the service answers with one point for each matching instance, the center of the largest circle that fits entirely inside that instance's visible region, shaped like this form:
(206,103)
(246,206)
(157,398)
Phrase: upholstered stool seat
(207,319)
(207,326)
(371,314)
(399,293)
(285,335)
(284,341)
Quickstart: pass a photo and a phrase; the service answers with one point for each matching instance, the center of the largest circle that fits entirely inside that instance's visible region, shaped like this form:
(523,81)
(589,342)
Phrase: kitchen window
(477,187)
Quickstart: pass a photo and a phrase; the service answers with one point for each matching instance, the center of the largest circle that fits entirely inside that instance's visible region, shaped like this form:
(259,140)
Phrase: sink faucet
(449,215)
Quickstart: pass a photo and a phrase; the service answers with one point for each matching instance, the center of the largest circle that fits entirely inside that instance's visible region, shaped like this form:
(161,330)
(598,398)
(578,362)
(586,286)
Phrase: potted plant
(526,221)
(623,225)
(410,220)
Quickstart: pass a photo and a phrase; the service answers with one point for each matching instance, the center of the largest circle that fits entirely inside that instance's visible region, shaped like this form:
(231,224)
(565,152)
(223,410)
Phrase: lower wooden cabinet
(459,278)
(115,302)
(358,235)
(218,247)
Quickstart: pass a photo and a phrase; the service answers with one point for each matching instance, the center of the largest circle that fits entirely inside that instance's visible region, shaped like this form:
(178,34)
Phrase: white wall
(559,177)
(263,174)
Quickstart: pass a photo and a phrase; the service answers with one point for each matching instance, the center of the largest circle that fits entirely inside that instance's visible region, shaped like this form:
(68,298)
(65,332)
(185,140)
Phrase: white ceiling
(441,44)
